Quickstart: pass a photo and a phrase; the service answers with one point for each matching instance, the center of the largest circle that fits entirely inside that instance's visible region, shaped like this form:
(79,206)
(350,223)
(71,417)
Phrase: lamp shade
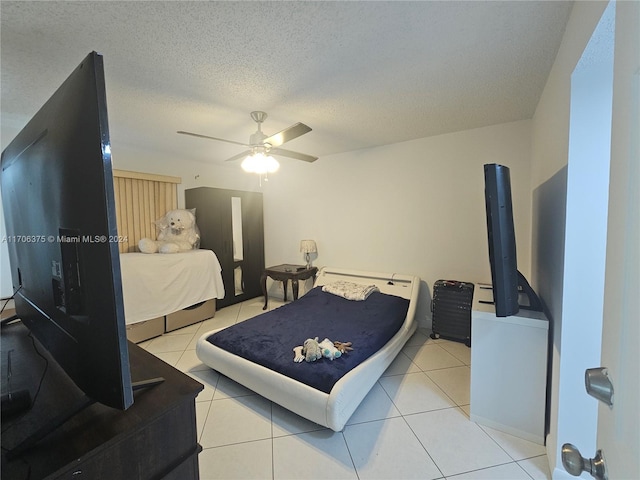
(260,163)
(308,246)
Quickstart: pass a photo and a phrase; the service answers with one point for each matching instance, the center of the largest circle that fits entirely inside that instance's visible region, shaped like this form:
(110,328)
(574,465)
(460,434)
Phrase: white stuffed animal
(329,350)
(178,232)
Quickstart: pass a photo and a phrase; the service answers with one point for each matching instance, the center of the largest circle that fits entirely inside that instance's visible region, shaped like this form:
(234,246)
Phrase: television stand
(509,370)
(64,416)
(155,438)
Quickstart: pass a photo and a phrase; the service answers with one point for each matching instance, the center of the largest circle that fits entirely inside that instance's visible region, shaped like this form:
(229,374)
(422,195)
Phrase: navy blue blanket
(268,339)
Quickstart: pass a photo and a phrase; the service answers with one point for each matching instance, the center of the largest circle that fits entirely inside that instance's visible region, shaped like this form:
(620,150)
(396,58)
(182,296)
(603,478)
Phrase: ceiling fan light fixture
(272,164)
(260,163)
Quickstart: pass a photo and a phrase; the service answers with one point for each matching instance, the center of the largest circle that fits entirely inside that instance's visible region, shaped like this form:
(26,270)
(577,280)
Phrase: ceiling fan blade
(296,155)
(212,138)
(238,156)
(294,131)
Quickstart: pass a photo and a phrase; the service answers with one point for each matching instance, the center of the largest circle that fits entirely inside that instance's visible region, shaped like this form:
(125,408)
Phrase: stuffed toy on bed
(178,232)
(311,350)
(329,350)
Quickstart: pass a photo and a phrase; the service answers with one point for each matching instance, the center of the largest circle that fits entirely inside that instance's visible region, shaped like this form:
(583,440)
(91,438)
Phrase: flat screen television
(59,211)
(508,284)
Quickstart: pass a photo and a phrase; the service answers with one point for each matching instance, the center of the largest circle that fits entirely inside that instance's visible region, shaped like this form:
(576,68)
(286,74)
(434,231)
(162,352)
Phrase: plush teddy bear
(178,232)
(329,350)
(297,354)
(343,347)
(311,350)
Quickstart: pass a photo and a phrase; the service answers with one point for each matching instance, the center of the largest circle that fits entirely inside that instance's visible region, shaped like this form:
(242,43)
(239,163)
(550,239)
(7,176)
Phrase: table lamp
(307,247)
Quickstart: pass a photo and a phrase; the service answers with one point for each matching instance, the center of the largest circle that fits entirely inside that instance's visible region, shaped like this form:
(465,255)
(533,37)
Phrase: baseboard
(516,432)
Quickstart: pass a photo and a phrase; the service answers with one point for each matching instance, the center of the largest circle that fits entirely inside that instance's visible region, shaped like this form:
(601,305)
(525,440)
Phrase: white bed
(331,409)
(155,285)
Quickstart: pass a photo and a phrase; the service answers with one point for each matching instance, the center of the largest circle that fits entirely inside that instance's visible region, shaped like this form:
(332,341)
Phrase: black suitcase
(451,310)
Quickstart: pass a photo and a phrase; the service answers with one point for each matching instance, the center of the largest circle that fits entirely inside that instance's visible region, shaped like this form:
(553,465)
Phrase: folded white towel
(350,290)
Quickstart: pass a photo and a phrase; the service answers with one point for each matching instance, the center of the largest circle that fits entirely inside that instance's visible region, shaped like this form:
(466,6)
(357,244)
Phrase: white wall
(6,290)
(550,175)
(9,131)
(415,207)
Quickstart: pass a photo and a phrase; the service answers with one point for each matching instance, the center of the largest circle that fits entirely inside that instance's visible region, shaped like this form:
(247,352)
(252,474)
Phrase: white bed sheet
(154,285)
(334,409)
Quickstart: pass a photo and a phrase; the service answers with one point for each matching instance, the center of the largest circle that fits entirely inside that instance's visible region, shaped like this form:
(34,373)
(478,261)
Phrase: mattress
(269,339)
(333,408)
(154,285)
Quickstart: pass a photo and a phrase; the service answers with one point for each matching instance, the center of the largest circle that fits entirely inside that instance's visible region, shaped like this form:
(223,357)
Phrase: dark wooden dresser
(156,438)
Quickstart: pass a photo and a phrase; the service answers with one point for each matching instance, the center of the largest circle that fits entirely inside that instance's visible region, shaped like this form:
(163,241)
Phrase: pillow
(350,290)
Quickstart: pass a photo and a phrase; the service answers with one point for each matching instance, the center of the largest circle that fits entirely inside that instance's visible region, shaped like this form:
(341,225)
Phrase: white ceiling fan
(259,143)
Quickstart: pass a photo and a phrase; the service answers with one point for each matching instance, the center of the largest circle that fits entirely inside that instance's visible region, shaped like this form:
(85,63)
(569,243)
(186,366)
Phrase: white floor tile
(401,365)
(208,378)
(431,357)
(376,406)
(285,422)
(202,411)
(227,388)
(419,338)
(216,323)
(455,382)
(388,449)
(250,310)
(250,460)
(169,357)
(229,311)
(509,471)
(537,467)
(414,393)
(169,343)
(458,350)
(189,362)
(144,345)
(455,443)
(246,436)
(516,448)
(317,455)
(194,342)
(236,420)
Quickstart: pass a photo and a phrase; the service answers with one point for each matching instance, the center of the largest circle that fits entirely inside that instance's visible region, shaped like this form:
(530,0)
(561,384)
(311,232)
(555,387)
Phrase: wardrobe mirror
(238,254)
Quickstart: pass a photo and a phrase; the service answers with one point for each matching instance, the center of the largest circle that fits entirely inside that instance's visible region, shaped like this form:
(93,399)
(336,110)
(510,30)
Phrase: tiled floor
(413,424)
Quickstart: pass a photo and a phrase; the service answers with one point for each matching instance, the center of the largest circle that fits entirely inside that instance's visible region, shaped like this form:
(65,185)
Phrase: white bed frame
(331,410)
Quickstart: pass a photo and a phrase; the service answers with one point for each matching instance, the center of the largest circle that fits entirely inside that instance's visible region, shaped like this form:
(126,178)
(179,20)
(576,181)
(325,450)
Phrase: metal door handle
(598,384)
(575,463)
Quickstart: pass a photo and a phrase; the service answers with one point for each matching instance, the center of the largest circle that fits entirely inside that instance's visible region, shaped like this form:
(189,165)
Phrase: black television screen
(507,282)
(59,210)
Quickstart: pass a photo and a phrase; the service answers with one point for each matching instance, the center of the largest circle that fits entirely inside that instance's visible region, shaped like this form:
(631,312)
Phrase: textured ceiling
(361,74)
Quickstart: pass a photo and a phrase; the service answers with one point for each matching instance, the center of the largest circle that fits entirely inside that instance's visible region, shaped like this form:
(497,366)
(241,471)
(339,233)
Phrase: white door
(619,425)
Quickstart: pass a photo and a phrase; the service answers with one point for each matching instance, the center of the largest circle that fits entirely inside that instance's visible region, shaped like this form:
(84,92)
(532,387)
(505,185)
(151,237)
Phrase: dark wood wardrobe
(231,224)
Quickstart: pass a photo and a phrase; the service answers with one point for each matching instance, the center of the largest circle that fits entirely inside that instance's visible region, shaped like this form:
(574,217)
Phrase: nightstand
(284,273)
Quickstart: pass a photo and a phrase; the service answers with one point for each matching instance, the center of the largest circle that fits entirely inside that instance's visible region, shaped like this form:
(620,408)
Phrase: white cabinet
(509,370)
